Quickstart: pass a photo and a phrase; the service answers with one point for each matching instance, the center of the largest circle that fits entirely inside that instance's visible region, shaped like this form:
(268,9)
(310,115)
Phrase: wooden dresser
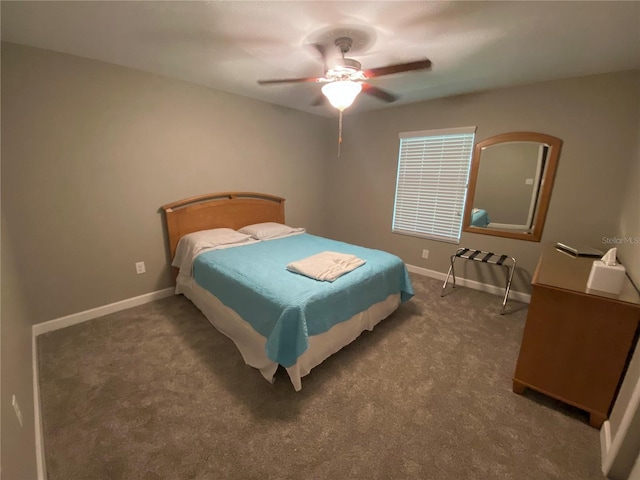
(576,343)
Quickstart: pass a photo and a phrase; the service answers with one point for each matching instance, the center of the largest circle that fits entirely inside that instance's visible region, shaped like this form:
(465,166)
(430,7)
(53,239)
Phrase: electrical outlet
(140,268)
(425,253)
(16,408)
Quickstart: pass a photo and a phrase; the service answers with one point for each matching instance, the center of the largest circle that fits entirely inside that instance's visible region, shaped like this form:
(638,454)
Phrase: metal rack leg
(508,287)
(451,271)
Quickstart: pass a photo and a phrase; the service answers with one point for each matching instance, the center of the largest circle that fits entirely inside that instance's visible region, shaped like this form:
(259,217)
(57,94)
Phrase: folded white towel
(326,266)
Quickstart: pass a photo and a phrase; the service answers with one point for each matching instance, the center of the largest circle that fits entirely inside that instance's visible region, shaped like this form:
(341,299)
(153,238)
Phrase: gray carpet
(155,392)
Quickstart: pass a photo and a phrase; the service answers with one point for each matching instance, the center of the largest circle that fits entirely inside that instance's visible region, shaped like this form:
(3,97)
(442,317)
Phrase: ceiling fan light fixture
(341,94)
(343,68)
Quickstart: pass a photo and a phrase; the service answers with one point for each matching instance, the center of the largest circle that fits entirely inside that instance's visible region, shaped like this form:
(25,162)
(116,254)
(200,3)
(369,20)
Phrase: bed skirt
(252,345)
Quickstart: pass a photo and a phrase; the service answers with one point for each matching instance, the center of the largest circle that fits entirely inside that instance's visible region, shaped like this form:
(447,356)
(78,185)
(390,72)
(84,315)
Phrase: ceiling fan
(344,78)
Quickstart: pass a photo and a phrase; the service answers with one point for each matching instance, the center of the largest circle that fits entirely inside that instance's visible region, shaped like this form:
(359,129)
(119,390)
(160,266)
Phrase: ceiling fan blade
(322,50)
(291,80)
(379,93)
(401,67)
(319,101)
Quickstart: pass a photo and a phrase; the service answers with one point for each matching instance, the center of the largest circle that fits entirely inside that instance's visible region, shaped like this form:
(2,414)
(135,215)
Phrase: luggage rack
(487,257)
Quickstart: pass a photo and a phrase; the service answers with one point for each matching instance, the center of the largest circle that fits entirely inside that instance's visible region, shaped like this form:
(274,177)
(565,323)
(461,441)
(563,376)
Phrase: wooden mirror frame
(549,173)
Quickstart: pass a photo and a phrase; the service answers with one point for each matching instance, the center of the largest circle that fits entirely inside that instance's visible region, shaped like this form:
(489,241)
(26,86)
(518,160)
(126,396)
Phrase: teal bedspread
(287,308)
(479,218)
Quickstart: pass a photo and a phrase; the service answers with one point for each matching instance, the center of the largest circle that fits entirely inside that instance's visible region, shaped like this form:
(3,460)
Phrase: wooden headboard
(216,210)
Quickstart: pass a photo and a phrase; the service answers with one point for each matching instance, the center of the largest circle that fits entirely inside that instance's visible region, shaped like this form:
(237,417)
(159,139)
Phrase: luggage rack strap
(481,256)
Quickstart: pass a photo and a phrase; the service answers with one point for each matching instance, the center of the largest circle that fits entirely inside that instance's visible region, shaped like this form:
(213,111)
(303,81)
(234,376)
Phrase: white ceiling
(228,45)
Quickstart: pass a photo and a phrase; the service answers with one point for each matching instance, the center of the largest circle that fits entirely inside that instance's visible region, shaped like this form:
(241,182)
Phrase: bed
(479,217)
(276,316)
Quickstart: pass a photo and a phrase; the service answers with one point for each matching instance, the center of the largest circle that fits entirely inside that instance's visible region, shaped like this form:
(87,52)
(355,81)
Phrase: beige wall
(596,117)
(90,151)
(17,443)
(629,221)
(622,460)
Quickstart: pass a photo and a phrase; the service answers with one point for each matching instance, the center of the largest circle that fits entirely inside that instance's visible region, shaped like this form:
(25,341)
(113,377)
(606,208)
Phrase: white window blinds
(433,170)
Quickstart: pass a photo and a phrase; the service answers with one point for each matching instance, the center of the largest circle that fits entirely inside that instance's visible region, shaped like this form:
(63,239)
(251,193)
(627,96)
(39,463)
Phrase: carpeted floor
(155,392)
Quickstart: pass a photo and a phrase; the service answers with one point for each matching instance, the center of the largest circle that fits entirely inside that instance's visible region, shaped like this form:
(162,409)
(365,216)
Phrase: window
(433,170)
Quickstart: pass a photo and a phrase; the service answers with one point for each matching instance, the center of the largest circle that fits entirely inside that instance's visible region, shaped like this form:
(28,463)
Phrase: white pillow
(215,237)
(270,230)
(194,243)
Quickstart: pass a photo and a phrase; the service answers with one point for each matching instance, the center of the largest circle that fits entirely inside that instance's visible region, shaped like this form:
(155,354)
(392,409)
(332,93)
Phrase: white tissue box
(606,278)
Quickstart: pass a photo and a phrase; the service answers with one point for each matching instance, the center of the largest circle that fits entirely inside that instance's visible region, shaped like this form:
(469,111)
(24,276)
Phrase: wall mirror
(510,185)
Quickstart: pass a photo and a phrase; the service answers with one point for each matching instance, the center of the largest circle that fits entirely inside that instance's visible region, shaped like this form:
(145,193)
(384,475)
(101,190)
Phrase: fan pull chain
(339,132)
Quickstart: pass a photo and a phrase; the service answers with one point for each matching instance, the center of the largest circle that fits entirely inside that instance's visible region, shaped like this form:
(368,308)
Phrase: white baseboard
(80,317)
(484,287)
(605,443)
(36,412)
(621,450)
(67,321)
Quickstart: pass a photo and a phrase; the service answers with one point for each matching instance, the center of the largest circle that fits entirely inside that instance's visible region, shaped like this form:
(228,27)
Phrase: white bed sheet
(252,345)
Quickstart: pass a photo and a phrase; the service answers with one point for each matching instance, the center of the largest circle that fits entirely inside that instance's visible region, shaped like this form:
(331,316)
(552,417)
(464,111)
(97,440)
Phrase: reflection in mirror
(510,185)
(509,171)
